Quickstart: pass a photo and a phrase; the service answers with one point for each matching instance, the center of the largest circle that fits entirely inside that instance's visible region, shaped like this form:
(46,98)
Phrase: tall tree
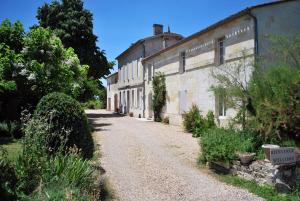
(73,24)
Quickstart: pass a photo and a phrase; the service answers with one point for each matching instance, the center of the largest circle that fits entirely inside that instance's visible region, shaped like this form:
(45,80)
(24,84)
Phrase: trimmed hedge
(68,122)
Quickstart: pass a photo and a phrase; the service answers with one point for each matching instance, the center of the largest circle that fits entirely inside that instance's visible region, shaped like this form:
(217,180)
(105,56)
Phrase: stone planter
(245,157)
(267,148)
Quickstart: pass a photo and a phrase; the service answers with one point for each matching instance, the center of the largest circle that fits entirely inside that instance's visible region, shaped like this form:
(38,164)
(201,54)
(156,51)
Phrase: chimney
(157,29)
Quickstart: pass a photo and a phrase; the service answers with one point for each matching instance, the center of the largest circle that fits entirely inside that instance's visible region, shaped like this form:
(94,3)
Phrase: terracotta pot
(267,148)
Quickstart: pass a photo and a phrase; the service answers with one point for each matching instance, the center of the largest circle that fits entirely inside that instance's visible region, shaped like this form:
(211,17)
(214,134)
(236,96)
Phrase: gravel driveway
(151,161)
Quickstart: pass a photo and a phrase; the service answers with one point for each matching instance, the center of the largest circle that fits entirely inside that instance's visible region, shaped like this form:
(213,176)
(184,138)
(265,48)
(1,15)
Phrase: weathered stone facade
(188,63)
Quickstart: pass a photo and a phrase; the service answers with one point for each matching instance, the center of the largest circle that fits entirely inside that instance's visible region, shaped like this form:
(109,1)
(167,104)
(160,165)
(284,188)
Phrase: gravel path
(151,161)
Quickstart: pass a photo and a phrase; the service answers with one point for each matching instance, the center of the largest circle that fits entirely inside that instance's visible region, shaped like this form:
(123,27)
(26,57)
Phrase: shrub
(203,124)
(159,96)
(8,178)
(131,114)
(191,118)
(219,144)
(67,121)
(4,130)
(10,129)
(166,120)
(37,176)
(93,104)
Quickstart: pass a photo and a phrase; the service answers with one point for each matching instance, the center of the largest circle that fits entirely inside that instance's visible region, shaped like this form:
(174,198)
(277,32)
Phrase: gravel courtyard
(151,161)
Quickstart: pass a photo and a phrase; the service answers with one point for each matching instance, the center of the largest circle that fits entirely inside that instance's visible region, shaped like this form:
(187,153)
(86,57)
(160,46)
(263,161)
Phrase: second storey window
(220,51)
(182,62)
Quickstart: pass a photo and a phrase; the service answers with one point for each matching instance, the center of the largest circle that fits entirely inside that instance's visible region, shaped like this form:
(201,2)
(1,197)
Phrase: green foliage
(190,118)
(202,124)
(8,177)
(68,122)
(60,16)
(48,66)
(194,122)
(264,191)
(4,130)
(93,104)
(232,83)
(36,175)
(8,62)
(12,35)
(275,91)
(219,144)
(10,129)
(159,96)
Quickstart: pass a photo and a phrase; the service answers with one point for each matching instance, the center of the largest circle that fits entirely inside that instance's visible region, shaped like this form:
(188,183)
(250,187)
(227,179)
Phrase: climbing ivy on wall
(159,97)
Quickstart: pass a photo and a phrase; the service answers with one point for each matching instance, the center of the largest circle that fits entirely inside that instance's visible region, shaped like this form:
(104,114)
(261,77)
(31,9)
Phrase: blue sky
(118,23)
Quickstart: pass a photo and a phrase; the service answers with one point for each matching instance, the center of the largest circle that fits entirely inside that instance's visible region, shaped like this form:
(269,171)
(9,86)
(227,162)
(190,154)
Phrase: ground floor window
(138,98)
(222,106)
(132,98)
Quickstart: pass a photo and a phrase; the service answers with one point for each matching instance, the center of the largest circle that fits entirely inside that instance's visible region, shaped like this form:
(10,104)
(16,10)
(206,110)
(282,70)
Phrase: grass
(264,191)
(13,147)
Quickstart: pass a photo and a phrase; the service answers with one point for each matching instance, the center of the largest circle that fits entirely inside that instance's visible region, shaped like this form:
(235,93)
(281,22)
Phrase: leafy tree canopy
(73,24)
(12,35)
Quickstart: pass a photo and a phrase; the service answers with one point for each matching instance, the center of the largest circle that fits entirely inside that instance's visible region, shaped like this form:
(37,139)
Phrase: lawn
(13,147)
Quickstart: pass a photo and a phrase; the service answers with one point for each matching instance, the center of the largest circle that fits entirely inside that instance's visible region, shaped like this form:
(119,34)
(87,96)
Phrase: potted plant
(245,157)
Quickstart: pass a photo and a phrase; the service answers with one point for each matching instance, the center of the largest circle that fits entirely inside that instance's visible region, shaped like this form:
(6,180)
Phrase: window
(138,98)
(182,62)
(149,72)
(132,98)
(221,50)
(222,106)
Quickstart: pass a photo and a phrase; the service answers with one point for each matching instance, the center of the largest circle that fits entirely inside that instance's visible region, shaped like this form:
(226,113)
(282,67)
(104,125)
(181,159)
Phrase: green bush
(10,129)
(8,178)
(93,104)
(4,130)
(35,175)
(67,122)
(203,124)
(219,144)
(191,118)
(159,95)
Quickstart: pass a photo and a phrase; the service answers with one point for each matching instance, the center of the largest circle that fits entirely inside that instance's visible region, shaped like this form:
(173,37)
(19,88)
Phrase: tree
(159,96)
(275,91)
(232,84)
(48,66)
(12,35)
(74,26)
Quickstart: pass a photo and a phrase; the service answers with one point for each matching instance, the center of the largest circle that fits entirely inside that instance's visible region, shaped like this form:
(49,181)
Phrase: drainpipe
(255,33)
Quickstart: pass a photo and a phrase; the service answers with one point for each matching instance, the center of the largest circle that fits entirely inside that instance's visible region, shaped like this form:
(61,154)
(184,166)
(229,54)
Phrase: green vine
(159,97)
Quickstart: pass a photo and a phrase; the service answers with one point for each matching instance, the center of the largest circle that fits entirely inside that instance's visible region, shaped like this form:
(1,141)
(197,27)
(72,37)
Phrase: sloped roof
(141,41)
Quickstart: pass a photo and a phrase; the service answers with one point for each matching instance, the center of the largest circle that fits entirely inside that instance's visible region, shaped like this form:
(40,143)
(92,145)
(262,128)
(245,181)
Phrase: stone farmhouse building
(187,63)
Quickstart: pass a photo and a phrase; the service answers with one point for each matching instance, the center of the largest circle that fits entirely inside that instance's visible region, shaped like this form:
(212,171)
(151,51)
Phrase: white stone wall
(112,92)
(200,61)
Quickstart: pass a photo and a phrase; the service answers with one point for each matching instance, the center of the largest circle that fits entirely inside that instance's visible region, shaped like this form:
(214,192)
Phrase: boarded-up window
(183,101)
